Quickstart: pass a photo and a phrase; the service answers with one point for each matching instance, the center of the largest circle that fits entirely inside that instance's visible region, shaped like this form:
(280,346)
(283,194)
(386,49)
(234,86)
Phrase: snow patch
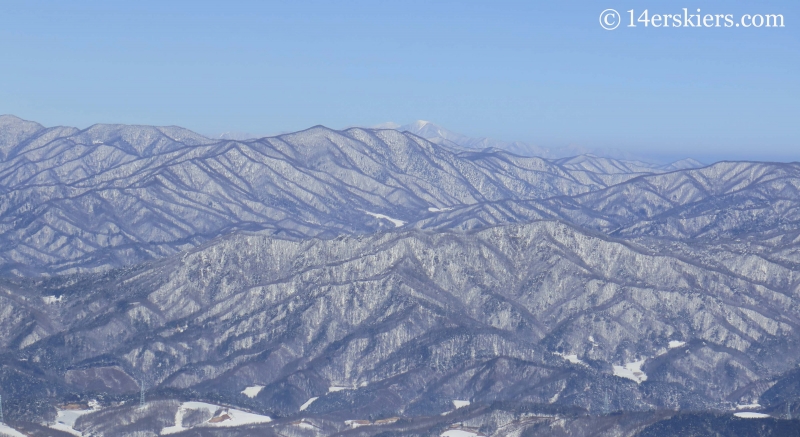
(459,433)
(748,406)
(229,417)
(308,403)
(632,371)
(433,209)
(65,419)
(52,299)
(459,404)
(240,418)
(9,431)
(748,415)
(304,424)
(357,423)
(253,391)
(676,344)
(397,223)
(572,358)
(335,388)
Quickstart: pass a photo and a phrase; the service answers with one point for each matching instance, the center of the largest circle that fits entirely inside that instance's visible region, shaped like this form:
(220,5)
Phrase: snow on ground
(748,415)
(303,424)
(229,417)
(65,419)
(357,423)
(458,433)
(240,418)
(395,222)
(308,403)
(335,388)
(186,406)
(9,431)
(253,391)
(748,406)
(52,299)
(676,344)
(632,371)
(432,209)
(572,358)
(459,404)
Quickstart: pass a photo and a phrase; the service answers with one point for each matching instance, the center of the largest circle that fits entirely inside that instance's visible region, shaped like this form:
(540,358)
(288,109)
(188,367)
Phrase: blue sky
(544,72)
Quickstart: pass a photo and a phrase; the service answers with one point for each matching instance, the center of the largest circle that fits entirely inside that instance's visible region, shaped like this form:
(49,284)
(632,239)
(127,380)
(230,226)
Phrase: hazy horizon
(662,157)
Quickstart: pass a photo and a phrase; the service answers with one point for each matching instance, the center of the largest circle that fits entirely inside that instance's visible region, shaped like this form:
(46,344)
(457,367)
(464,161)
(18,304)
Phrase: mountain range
(400,281)
(439,135)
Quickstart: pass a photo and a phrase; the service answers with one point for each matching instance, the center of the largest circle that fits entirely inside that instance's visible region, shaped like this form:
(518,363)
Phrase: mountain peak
(8,121)
(683,164)
(14,130)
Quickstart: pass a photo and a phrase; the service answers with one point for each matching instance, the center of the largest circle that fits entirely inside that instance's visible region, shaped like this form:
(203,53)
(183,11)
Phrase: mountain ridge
(148,164)
(373,282)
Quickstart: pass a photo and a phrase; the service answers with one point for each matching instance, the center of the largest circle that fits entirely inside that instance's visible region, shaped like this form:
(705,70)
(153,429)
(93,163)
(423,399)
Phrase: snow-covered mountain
(615,160)
(439,135)
(109,196)
(372,282)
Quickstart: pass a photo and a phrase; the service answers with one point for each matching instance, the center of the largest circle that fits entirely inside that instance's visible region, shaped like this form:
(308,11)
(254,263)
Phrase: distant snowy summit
(440,135)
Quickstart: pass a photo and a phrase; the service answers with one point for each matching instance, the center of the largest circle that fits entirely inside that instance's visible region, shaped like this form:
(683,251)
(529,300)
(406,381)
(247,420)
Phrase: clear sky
(537,71)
